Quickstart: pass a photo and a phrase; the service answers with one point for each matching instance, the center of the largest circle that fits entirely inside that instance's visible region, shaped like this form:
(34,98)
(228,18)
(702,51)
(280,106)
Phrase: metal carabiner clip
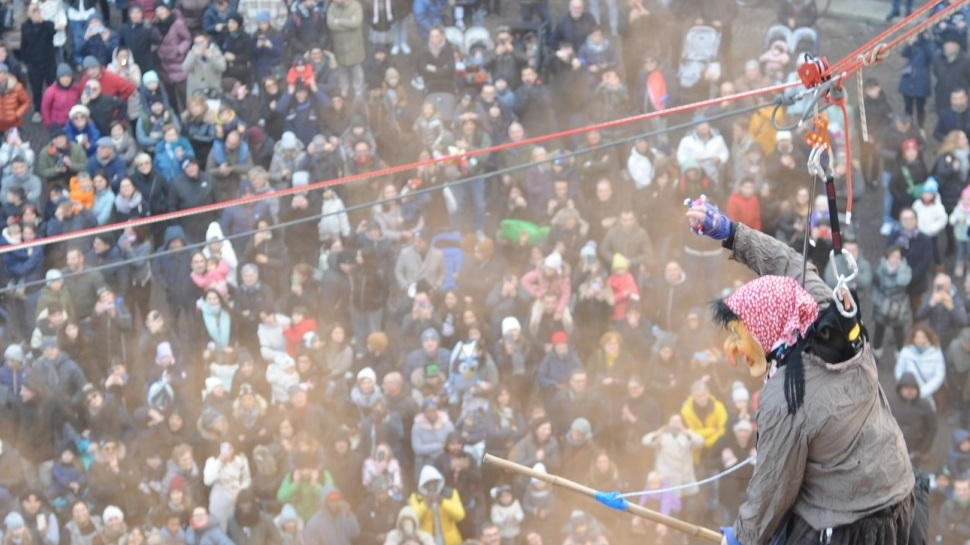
(842,283)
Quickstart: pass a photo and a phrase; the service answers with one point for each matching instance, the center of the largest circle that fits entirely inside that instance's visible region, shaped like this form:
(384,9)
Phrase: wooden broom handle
(690,529)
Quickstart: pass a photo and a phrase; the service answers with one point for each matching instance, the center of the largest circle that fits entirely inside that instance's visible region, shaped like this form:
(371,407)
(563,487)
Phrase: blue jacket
(266,60)
(26,264)
(114,170)
(554,370)
(167,164)
(428,13)
(303,119)
(210,534)
(90,131)
(172,271)
(915,80)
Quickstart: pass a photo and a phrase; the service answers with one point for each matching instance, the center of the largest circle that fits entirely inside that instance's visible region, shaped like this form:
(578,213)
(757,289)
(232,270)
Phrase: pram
(800,40)
(699,54)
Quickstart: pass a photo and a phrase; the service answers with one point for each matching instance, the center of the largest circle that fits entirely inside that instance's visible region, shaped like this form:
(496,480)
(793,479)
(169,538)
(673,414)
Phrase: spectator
(205,529)
(953,517)
(204,65)
(574,27)
(943,309)
(14,101)
(437,507)
(951,67)
(923,358)
(333,523)
(915,416)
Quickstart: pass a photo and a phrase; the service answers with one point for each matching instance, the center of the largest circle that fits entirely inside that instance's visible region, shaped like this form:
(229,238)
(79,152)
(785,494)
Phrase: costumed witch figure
(831,467)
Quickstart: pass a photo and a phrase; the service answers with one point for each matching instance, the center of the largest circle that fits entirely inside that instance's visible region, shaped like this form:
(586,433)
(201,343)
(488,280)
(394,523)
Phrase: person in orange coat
(14,100)
(744,205)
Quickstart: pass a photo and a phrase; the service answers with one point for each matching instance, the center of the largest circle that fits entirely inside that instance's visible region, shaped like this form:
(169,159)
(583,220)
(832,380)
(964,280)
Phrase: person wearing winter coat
(21,176)
(345,20)
(429,432)
(289,525)
(302,107)
(193,188)
(40,57)
(923,357)
(675,445)
(204,65)
(890,301)
(226,475)
(951,69)
(228,163)
(249,525)
(377,513)
(407,530)
(915,80)
(943,309)
(334,523)
(139,37)
(916,417)
(205,529)
(150,126)
(172,50)
(14,100)
(437,507)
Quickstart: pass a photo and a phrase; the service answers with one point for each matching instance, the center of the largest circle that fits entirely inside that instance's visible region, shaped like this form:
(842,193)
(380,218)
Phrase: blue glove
(728,533)
(715,224)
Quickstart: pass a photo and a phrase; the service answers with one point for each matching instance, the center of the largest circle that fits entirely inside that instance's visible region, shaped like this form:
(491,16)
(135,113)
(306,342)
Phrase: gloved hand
(706,219)
(729,537)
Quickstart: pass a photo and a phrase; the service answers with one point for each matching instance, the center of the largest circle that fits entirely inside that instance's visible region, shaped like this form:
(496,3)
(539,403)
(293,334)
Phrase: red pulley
(811,70)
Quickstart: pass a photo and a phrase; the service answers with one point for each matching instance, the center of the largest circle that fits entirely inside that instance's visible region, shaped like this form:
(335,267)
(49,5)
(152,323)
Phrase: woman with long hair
(951,167)
(923,358)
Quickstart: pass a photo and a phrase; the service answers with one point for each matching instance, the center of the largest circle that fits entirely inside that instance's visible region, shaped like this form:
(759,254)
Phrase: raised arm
(763,254)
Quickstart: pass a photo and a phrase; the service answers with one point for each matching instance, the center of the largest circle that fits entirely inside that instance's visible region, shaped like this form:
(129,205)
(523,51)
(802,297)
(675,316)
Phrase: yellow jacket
(451,509)
(711,427)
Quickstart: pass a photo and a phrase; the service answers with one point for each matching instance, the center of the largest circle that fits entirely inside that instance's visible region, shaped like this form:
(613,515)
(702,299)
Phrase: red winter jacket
(112,84)
(57,102)
(746,210)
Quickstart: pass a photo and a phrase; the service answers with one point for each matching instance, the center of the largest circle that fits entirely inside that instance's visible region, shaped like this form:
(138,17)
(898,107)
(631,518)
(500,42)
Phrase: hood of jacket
(213,232)
(960,435)
(428,475)
(173,232)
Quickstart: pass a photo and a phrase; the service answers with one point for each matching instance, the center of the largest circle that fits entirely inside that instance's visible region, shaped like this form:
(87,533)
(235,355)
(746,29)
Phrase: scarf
(163,26)
(778,313)
(126,205)
(377,11)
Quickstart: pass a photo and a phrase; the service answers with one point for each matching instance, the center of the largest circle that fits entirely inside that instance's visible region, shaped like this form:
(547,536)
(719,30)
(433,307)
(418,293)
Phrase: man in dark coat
(955,116)
(190,190)
(139,36)
(574,26)
(39,56)
(951,68)
(172,275)
(915,416)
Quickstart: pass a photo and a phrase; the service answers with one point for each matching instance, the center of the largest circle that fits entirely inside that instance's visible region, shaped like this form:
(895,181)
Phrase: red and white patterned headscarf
(775,309)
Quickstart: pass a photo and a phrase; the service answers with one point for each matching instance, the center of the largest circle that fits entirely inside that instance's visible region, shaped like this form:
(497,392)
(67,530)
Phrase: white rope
(712,478)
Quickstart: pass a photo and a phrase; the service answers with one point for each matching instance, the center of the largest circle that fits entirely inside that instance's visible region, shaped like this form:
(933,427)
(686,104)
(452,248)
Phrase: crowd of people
(329,366)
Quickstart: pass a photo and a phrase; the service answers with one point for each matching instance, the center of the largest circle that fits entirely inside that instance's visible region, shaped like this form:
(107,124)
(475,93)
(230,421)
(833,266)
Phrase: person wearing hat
(81,129)
(236,47)
(437,507)
(14,100)
(557,365)
(429,352)
(111,84)
(61,159)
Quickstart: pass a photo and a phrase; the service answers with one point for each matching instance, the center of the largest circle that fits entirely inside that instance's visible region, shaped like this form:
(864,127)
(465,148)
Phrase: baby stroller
(472,45)
(699,55)
(800,40)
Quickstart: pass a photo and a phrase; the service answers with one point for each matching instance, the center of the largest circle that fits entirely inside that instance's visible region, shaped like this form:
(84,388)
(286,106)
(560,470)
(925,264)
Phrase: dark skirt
(902,524)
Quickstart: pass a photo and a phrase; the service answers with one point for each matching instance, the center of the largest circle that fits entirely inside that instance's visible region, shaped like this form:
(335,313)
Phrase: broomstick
(606,499)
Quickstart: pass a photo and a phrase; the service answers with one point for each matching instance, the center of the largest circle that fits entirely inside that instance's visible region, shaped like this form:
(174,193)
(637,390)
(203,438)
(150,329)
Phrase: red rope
(73,235)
